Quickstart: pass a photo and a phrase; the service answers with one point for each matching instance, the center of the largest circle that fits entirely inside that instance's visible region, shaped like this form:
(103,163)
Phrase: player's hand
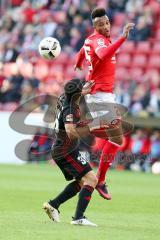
(127,29)
(78,68)
(87,87)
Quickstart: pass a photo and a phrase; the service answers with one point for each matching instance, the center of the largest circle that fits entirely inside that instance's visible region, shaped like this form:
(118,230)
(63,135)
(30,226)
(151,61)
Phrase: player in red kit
(99,53)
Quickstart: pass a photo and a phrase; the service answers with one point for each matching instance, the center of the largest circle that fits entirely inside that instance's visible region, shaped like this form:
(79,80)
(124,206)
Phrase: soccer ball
(156,168)
(49,48)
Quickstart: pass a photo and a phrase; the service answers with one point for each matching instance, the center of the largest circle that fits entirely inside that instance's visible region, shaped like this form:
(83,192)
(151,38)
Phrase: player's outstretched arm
(108,51)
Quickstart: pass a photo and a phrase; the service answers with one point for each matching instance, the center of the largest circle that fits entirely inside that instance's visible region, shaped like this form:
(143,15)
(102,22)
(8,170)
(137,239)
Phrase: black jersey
(66,113)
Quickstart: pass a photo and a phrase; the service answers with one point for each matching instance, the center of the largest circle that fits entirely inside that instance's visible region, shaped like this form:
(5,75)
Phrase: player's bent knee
(118,141)
(80,183)
(90,179)
(94,181)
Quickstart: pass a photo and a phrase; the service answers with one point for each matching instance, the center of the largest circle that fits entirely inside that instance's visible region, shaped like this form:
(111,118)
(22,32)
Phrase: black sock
(70,191)
(83,201)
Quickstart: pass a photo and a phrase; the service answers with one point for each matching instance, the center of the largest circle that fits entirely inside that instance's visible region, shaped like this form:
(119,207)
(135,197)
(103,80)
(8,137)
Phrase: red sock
(107,156)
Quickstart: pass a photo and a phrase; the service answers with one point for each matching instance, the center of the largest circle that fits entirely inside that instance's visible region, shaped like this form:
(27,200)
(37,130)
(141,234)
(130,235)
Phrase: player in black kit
(65,152)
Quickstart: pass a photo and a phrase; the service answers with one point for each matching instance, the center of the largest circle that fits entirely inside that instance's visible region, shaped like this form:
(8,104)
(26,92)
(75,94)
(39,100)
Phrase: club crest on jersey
(100,42)
(69,118)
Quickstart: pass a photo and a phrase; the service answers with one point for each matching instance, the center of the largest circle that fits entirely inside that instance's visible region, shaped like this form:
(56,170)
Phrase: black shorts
(73,165)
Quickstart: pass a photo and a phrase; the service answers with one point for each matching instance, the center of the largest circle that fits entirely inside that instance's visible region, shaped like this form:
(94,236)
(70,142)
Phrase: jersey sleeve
(69,116)
(80,58)
(104,49)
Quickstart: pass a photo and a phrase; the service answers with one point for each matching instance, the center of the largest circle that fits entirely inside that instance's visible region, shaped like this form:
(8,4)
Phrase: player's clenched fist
(127,29)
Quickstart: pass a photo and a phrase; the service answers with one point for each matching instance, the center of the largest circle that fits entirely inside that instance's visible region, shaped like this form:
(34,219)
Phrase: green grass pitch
(133,213)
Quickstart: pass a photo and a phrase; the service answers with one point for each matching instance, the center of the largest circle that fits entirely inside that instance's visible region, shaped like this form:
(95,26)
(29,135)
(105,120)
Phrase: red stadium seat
(154,5)
(42,61)
(143,47)
(62,59)
(136,73)
(156,48)
(139,60)
(55,68)
(119,19)
(151,71)
(158,34)
(154,61)
(41,71)
(158,23)
(115,30)
(121,73)
(55,73)
(70,73)
(124,60)
(52,88)
(128,47)
(71,60)
(152,75)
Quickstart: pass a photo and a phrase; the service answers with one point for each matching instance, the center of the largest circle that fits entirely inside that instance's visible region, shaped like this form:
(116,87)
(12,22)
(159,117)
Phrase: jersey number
(88,57)
(81,159)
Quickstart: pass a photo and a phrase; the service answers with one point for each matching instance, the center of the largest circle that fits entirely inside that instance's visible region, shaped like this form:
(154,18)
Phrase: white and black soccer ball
(49,48)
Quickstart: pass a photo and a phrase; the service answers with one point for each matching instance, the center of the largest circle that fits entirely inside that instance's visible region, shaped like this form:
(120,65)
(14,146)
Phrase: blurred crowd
(140,150)
(24,74)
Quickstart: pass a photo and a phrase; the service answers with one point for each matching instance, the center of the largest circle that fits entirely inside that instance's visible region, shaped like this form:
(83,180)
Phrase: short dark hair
(98,12)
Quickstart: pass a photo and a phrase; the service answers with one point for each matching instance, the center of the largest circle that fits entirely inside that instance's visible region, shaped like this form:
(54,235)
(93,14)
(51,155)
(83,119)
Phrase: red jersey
(99,53)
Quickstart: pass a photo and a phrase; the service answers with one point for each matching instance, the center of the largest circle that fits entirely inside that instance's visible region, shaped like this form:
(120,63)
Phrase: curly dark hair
(98,12)
(73,86)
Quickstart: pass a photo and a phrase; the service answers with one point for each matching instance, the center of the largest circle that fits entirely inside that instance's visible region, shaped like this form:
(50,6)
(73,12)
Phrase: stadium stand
(25,23)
